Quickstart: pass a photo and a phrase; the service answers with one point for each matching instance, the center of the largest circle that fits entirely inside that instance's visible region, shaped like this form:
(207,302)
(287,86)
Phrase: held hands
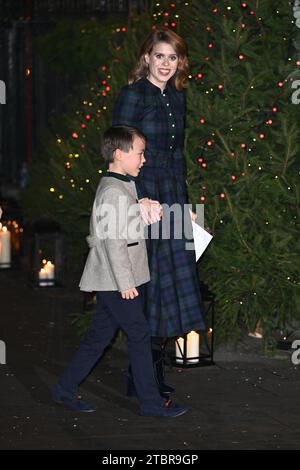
(129,293)
(193,216)
(151,210)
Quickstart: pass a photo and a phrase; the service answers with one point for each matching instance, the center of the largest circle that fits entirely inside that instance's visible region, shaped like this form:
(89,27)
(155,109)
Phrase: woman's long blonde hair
(140,70)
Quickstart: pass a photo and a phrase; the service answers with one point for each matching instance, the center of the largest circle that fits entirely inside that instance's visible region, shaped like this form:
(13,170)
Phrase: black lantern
(47,258)
(196,348)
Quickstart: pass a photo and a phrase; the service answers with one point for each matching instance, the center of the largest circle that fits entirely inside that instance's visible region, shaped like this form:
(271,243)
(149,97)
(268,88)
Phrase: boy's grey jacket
(119,263)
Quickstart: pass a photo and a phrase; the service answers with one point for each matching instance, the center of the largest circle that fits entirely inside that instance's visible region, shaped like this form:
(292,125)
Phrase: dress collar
(119,176)
(155,88)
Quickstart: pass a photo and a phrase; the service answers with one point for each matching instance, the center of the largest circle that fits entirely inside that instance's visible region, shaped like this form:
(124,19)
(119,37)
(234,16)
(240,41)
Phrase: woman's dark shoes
(165,410)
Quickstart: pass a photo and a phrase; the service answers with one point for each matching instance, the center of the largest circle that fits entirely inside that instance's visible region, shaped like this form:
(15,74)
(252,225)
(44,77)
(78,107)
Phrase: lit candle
(5,248)
(192,348)
(50,268)
(43,277)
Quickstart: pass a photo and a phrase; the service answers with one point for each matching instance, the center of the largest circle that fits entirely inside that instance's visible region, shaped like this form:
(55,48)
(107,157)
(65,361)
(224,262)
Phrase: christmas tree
(241,149)
(242,145)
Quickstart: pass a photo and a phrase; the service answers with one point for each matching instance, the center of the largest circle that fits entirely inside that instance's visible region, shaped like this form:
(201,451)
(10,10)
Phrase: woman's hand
(151,210)
(193,216)
(129,293)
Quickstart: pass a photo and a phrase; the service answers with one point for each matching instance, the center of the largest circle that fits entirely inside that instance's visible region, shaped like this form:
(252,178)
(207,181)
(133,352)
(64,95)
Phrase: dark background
(34,91)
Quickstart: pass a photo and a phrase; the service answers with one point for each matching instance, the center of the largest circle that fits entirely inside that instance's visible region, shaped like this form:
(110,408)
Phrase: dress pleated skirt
(172,297)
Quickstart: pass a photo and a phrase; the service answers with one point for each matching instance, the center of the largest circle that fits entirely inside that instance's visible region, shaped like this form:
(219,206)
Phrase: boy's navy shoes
(166,410)
(59,395)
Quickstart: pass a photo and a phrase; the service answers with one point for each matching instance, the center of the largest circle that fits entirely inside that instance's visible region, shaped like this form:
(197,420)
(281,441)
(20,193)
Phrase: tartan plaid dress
(172,297)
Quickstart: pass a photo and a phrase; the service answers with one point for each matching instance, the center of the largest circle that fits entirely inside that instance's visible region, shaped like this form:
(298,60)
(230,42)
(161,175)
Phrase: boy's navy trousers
(113,312)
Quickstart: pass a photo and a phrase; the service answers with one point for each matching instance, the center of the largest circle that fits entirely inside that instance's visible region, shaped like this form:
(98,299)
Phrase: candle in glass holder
(192,348)
(50,268)
(43,277)
(5,247)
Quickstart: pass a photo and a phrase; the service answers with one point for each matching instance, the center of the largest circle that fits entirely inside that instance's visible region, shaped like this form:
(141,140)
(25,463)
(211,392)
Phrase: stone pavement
(245,401)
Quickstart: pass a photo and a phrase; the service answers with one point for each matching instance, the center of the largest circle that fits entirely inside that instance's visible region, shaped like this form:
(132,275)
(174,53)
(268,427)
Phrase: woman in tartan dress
(154,102)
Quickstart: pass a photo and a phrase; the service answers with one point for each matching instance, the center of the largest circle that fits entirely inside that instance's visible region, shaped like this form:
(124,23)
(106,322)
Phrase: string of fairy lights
(168,18)
(269,114)
(171,17)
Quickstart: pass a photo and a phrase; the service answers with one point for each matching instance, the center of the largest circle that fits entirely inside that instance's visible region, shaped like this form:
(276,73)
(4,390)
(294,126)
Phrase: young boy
(117,268)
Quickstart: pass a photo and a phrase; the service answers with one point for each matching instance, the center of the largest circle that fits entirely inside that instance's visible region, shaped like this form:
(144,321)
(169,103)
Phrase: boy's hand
(129,293)
(151,210)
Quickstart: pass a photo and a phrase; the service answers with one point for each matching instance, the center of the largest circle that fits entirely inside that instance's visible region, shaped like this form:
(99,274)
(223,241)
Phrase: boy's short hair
(118,137)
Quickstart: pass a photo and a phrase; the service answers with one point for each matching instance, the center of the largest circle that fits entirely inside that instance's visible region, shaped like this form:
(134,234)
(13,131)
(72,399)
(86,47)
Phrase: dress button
(171,146)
